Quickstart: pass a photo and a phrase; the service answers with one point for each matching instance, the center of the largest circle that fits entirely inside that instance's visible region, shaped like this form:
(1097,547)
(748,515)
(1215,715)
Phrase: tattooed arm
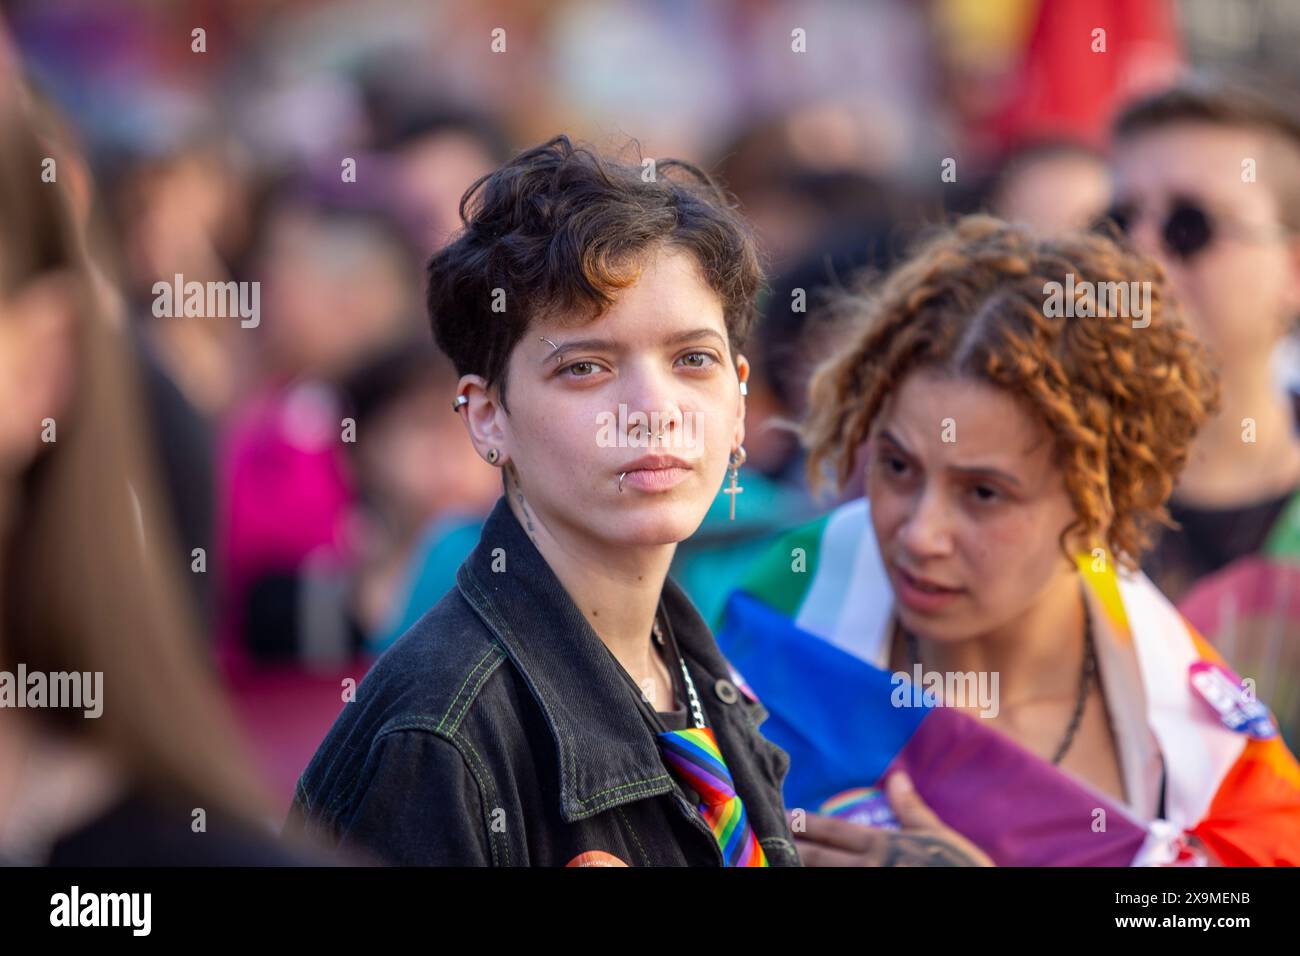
(919,849)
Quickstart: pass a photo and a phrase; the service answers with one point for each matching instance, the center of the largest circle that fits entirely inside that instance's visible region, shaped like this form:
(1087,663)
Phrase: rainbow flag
(1250,611)
(808,628)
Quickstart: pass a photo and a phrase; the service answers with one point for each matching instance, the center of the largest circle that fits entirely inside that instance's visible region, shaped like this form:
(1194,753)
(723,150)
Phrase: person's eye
(583,369)
(893,465)
(986,494)
(699,359)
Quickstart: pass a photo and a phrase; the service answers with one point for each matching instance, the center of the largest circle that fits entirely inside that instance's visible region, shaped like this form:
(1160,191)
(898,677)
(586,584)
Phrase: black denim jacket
(499,731)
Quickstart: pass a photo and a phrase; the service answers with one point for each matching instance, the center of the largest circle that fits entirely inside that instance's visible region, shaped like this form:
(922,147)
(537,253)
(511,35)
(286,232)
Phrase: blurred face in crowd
(968,528)
(416,459)
(1243,288)
(335,291)
(182,212)
(661,351)
(435,172)
(1055,193)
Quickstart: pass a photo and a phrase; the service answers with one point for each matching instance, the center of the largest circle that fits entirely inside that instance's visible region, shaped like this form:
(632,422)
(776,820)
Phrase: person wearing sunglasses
(1207,180)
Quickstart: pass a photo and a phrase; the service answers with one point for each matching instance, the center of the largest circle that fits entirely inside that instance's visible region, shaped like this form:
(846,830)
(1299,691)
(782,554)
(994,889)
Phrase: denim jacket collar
(607,752)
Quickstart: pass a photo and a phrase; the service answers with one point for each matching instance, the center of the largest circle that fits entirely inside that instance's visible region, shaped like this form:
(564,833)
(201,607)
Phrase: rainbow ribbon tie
(693,755)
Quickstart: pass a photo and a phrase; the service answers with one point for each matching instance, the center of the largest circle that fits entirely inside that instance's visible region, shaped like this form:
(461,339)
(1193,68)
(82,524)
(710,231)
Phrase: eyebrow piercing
(554,348)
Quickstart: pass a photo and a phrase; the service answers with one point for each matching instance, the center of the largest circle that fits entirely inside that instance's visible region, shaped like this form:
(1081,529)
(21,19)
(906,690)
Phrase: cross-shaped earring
(737,459)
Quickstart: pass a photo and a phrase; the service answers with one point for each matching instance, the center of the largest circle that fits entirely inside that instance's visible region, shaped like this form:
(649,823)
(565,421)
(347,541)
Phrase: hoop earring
(493,456)
(737,459)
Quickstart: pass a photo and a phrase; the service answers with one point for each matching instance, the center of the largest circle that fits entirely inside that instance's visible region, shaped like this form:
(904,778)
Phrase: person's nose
(927,530)
(654,394)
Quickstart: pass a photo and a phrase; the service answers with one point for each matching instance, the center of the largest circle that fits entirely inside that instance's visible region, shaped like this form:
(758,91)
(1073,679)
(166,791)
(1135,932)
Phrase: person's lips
(655,472)
(922,594)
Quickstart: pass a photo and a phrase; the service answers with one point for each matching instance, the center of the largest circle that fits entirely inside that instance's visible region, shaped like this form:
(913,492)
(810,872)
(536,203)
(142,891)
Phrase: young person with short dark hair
(566,704)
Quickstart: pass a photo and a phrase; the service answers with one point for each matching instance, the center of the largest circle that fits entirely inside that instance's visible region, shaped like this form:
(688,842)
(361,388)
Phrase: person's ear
(37,365)
(742,372)
(485,419)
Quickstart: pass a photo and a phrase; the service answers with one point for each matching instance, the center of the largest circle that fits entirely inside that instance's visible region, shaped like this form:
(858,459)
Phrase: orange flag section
(1254,818)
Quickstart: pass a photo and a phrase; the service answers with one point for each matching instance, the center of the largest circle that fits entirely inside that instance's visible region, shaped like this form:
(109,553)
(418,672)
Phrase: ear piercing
(493,456)
(744,387)
(737,459)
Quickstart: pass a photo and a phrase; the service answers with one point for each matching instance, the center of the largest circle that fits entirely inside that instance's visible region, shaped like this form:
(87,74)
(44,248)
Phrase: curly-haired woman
(1020,425)
(566,704)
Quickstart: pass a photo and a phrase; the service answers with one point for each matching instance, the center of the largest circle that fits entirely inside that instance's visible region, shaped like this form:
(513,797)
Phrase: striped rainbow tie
(694,756)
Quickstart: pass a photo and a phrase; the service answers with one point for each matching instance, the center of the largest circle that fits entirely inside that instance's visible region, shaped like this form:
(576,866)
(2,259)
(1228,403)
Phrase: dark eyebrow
(973,471)
(978,472)
(605,345)
(887,435)
(694,334)
(593,345)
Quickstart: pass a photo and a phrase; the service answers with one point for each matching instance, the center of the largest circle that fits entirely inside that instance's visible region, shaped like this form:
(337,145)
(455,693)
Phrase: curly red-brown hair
(1123,399)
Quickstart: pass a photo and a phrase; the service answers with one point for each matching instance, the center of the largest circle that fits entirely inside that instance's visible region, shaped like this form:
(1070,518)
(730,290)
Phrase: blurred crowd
(321,494)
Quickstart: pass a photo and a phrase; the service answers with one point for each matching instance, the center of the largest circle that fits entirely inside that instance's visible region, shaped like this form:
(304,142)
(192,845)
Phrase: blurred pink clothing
(285,496)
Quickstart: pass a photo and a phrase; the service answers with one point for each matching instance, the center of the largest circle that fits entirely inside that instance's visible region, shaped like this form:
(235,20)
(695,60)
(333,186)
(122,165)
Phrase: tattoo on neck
(914,849)
(513,479)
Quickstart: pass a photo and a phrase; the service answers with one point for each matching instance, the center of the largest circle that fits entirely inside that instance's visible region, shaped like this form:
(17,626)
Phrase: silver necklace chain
(697,712)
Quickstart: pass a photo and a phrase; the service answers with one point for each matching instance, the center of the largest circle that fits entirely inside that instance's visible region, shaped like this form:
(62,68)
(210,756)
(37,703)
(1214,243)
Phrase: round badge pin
(1223,692)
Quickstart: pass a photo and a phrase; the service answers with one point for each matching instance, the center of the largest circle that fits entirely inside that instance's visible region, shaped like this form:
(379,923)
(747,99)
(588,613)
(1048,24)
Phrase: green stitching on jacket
(645,858)
(489,798)
(482,660)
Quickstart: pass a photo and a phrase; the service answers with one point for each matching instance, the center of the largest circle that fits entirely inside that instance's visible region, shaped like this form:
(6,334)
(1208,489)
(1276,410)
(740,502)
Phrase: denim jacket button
(726,691)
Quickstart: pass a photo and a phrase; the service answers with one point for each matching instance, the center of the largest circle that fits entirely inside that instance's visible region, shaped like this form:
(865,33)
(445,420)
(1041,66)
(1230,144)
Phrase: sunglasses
(1187,230)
